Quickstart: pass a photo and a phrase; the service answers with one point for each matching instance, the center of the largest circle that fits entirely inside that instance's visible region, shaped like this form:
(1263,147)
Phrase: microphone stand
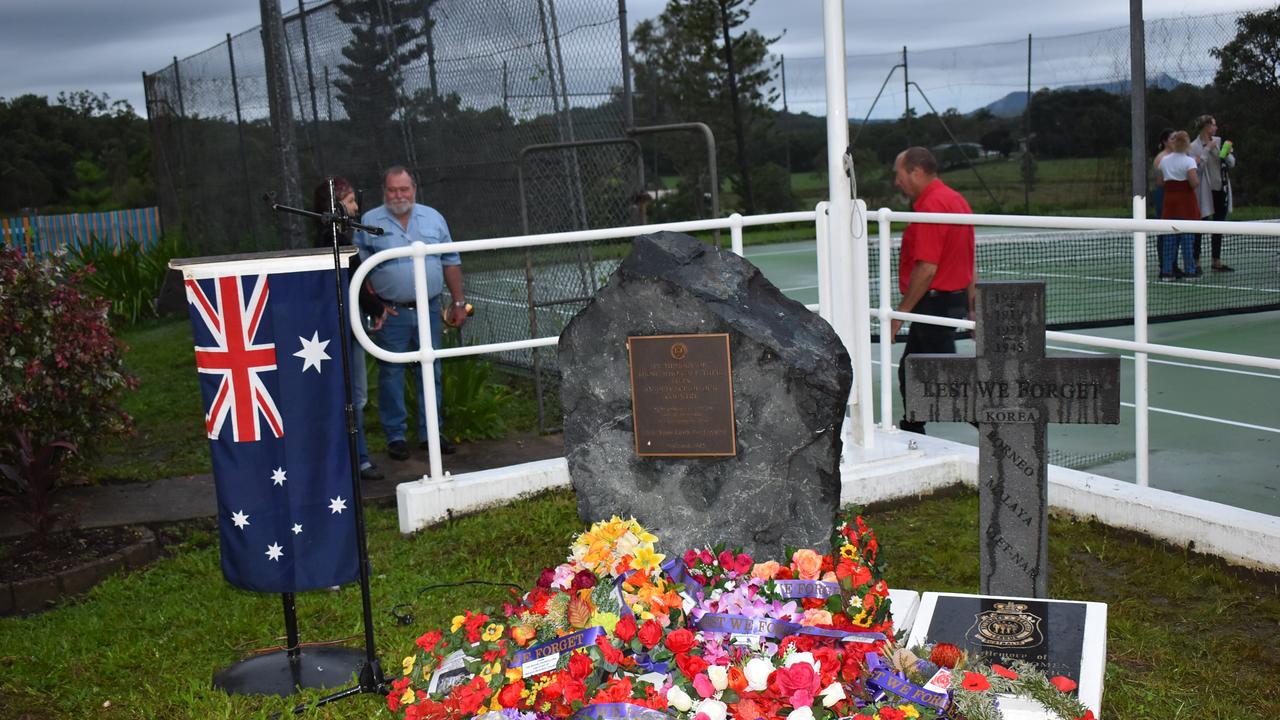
(371,678)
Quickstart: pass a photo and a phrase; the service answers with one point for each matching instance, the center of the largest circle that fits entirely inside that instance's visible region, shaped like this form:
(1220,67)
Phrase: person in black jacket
(370,307)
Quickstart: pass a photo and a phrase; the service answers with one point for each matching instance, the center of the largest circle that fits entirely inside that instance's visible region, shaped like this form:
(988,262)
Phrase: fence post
(1137,137)
(244,162)
(906,95)
(1026,133)
(317,144)
(282,118)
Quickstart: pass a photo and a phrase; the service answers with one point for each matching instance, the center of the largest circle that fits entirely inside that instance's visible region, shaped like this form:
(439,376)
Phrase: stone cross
(1012,391)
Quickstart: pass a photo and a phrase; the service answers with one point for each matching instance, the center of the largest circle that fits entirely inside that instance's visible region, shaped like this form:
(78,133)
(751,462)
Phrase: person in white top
(1180,182)
(1213,159)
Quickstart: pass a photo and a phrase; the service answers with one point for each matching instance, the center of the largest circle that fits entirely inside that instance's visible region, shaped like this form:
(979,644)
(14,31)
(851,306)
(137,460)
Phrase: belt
(409,305)
(945,293)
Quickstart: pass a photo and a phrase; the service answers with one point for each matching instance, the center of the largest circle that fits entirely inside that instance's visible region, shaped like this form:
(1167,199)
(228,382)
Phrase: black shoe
(398,450)
(1178,274)
(910,426)
(446,447)
(1168,277)
(1223,268)
(370,473)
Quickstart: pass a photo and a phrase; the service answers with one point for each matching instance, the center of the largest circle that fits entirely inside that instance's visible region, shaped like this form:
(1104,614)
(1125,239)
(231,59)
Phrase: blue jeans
(399,333)
(1169,244)
(359,398)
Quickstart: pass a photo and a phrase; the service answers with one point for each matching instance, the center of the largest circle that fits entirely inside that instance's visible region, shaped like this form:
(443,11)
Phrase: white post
(735,234)
(886,325)
(839,217)
(427,353)
(862,328)
(1141,440)
(824,260)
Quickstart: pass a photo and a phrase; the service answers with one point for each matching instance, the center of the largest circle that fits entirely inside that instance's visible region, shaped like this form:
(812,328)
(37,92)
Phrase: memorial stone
(1011,390)
(763,474)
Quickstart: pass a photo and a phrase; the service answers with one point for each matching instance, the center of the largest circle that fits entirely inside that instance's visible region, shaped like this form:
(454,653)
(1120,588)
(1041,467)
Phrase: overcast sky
(47,46)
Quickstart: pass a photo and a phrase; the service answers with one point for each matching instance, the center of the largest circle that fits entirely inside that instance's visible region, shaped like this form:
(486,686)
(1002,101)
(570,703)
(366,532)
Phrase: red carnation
(891,713)
(471,696)
(612,655)
(1063,683)
(650,633)
(680,641)
(584,580)
(945,655)
(625,629)
(973,682)
(546,577)
(428,641)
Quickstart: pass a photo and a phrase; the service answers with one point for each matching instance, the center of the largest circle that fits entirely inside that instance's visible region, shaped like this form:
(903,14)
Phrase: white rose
(679,699)
(800,657)
(758,671)
(716,710)
(719,675)
(832,694)
(801,713)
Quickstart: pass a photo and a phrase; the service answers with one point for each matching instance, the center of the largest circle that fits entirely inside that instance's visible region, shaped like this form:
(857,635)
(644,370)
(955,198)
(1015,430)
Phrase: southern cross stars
(337,505)
(240,519)
(297,528)
(277,477)
(312,352)
(275,551)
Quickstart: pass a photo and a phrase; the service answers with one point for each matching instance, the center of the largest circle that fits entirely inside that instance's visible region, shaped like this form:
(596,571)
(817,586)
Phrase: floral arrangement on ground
(619,630)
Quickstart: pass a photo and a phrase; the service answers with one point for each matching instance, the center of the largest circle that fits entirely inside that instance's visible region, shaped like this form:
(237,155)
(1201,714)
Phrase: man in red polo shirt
(936,268)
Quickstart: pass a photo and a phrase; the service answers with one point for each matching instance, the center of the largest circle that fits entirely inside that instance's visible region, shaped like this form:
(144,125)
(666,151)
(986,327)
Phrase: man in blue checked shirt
(405,221)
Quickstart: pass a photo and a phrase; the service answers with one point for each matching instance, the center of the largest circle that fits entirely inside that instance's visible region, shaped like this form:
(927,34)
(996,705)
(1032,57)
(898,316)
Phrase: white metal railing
(426,355)
(1139,345)
(835,270)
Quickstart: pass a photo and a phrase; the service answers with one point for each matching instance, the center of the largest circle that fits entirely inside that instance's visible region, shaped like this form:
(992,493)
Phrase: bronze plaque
(682,395)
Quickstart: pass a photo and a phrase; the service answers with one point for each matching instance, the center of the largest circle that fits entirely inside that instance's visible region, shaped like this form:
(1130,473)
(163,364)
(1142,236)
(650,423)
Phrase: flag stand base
(279,673)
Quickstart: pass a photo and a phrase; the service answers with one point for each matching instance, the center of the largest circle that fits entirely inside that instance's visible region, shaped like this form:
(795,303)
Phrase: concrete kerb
(39,593)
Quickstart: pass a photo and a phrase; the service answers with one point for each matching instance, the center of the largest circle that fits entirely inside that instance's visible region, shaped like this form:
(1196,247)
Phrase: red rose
(584,580)
(1004,672)
(890,713)
(428,641)
(747,710)
(691,665)
(726,560)
(509,697)
(574,691)
(945,655)
(973,682)
(743,564)
(579,666)
(784,573)
(798,683)
(546,577)
(680,641)
(625,629)
(1063,683)
(650,633)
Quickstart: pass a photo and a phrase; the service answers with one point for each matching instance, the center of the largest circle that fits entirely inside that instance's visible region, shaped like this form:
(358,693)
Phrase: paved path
(190,497)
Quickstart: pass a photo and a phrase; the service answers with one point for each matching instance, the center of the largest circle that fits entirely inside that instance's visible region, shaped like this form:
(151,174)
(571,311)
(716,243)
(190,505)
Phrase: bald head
(913,170)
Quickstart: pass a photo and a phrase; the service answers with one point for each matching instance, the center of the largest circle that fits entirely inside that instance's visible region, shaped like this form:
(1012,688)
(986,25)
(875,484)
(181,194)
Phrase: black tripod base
(278,674)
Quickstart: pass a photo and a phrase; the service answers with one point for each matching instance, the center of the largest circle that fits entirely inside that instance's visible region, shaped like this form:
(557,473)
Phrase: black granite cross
(1012,391)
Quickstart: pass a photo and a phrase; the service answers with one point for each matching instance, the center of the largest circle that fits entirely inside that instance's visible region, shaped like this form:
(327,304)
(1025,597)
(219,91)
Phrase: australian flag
(268,351)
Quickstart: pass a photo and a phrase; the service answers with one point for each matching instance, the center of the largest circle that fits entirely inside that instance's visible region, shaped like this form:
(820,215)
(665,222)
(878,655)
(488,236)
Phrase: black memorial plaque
(1046,633)
(682,395)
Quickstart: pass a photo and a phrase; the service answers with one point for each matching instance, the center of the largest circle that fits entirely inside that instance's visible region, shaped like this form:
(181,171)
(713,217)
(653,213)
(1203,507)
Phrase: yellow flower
(848,551)
(458,621)
(408,664)
(514,675)
(605,620)
(909,710)
(492,632)
(408,697)
(647,559)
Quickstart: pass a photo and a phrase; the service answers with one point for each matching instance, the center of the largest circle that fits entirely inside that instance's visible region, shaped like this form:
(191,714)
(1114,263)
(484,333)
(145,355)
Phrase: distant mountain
(1015,102)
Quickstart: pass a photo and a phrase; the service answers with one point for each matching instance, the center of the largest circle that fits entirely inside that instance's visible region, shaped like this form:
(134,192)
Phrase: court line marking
(1171,362)
(1122,281)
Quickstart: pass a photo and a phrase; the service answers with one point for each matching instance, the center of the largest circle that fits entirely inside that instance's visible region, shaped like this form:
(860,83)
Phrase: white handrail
(426,355)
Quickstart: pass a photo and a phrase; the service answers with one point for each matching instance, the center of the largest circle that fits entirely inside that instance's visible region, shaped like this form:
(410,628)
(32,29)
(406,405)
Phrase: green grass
(1187,637)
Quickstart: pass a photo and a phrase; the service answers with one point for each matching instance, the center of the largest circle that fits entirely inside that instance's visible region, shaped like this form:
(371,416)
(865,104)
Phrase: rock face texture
(791,377)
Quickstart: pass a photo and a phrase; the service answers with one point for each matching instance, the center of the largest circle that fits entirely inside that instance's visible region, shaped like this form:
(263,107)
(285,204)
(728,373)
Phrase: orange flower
(807,564)
(522,634)
(765,570)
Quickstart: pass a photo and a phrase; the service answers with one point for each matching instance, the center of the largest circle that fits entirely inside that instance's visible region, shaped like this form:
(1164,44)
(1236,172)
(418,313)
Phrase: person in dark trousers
(369,307)
(1214,159)
(405,222)
(936,267)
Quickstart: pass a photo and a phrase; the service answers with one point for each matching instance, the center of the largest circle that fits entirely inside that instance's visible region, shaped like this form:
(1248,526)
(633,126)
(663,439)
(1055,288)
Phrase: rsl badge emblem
(1009,625)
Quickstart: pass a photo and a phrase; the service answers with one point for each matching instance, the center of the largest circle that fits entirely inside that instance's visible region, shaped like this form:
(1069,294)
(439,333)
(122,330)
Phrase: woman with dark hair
(370,306)
(1180,183)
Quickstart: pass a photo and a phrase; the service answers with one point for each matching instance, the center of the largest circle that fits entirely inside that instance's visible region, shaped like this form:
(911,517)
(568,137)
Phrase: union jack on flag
(267,353)
(236,357)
